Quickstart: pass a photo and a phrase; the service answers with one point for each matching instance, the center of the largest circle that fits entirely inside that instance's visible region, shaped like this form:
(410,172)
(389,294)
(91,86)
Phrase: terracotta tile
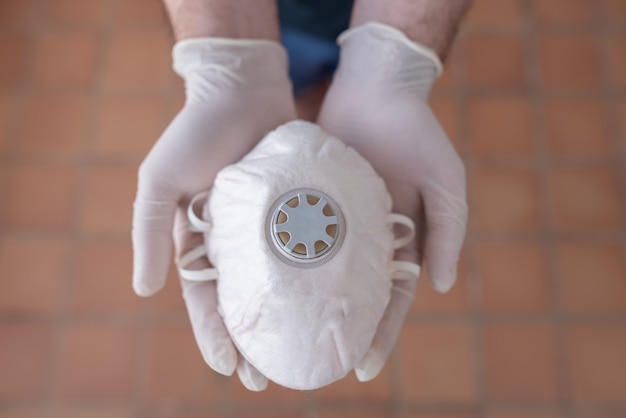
(65,60)
(12,55)
(437,363)
(77,12)
(428,300)
(139,61)
(569,61)
(592,278)
(500,127)
(175,105)
(564,11)
(139,13)
(598,413)
(273,393)
(494,60)
(32,286)
(597,365)
(6,174)
(129,127)
(514,277)
(54,125)
(277,411)
(176,370)
(502,13)
(447,114)
(525,413)
(349,389)
(24,360)
(42,196)
(17,12)
(103,278)
(577,127)
(169,412)
(342,413)
(23,412)
(446,80)
(504,200)
(7,116)
(95,412)
(170,298)
(439,415)
(109,198)
(621,117)
(613,10)
(521,362)
(96,361)
(617,59)
(584,199)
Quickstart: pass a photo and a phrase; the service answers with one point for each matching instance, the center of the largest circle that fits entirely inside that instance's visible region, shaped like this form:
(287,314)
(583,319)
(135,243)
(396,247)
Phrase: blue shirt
(309,30)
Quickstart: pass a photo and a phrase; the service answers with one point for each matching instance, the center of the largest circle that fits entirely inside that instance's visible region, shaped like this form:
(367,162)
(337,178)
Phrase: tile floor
(534,98)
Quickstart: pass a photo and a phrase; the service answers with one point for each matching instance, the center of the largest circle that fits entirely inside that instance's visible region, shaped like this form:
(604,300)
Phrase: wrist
(380,57)
(234,19)
(218,63)
(382,33)
(433,24)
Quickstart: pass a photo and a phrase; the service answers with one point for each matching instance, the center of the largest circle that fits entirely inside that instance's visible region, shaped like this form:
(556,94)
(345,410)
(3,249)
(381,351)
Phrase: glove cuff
(384,32)
(245,60)
(383,57)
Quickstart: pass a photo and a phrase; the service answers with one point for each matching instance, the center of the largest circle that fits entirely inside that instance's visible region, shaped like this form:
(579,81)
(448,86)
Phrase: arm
(237,89)
(243,19)
(432,23)
(378,104)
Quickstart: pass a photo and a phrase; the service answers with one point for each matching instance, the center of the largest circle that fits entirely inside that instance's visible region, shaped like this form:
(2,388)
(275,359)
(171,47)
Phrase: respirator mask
(301,236)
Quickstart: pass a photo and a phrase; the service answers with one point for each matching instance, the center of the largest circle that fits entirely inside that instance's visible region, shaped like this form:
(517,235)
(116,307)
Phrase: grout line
(49,398)
(616,135)
(548,236)
(180,318)
(394,380)
(472,282)
(461,92)
(93,93)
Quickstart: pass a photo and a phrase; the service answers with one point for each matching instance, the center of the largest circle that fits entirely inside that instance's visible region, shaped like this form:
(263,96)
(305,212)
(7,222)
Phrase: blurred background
(534,97)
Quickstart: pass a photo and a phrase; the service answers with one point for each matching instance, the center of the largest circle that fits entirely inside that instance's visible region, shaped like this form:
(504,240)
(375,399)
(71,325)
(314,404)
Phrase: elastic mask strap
(404,270)
(397,218)
(197,224)
(195,275)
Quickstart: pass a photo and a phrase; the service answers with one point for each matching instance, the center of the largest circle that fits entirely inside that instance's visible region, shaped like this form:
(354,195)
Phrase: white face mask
(301,237)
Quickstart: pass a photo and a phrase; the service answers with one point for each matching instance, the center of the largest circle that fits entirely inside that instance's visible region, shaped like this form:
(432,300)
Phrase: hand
(237,91)
(377,103)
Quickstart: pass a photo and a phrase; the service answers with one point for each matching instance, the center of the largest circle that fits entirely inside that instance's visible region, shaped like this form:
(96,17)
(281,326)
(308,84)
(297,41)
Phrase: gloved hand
(236,91)
(377,103)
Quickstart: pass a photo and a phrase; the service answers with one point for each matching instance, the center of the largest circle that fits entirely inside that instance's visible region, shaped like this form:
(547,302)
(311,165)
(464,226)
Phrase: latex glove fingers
(402,294)
(446,220)
(388,330)
(377,104)
(250,377)
(237,90)
(152,242)
(209,331)
(201,301)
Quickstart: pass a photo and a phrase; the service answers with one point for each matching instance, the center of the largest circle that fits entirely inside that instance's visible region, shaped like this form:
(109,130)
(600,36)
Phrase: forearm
(432,23)
(243,19)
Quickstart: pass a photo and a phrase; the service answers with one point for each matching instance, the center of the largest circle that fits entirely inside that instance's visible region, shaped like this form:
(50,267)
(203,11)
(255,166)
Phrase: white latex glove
(377,103)
(236,92)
